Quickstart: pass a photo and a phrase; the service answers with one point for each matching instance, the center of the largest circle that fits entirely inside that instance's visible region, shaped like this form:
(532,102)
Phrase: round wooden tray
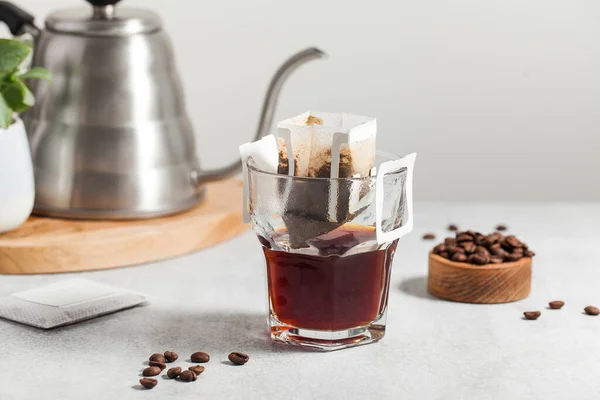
(45,245)
(486,284)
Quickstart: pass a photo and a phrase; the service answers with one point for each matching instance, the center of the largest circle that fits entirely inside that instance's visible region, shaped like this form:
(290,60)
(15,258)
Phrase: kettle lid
(103,20)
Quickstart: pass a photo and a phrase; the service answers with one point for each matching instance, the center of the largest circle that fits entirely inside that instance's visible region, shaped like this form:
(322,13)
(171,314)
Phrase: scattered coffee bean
(533,315)
(501,228)
(459,257)
(591,310)
(452,227)
(197,369)
(148,383)
(174,372)
(151,371)
(171,356)
(429,236)
(187,376)
(556,305)
(238,358)
(200,357)
(157,357)
(158,364)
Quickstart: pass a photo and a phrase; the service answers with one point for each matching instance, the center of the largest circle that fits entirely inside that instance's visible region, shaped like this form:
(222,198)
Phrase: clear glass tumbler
(328,277)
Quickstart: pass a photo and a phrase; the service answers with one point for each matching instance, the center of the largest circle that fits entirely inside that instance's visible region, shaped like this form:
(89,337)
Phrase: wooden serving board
(486,284)
(47,245)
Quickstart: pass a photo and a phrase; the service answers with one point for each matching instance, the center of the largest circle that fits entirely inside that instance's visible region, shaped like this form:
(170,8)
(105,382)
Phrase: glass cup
(328,275)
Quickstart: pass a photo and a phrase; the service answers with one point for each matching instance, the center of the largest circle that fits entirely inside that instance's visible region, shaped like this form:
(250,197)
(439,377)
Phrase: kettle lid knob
(103,2)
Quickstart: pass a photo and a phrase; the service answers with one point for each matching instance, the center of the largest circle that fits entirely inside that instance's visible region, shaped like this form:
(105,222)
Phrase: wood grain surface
(45,245)
(487,284)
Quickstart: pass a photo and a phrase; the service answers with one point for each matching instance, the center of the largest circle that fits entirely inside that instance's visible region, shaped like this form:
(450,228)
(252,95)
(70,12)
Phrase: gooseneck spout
(269,105)
(272,96)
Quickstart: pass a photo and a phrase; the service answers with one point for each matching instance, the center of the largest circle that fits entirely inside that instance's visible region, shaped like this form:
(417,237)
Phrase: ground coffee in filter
(323,146)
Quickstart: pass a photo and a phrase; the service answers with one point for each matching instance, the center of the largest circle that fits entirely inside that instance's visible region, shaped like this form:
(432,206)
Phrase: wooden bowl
(486,284)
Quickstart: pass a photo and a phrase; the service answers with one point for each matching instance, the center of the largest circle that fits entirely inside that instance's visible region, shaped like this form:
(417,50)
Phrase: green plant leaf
(37,73)
(18,96)
(12,54)
(5,114)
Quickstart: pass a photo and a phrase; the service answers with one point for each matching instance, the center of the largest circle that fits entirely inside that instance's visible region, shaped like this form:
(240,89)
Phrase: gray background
(500,98)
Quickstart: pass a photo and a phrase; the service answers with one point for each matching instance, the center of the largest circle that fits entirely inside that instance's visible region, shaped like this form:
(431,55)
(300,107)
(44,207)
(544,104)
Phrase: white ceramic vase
(17,188)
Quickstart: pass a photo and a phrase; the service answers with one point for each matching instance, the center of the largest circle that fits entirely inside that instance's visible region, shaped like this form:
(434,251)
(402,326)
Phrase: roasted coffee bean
(513,241)
(496,259)
(197,369)
(174,372)
(171,356)
(157,357)
(450,242)
(533,315)
(459,257)
(238,358)
(480,240)
(187,376)
(429,236)
(493,248)
(591,310)
(556,305)
(493,238)
(452,227)
(151,371)
(469,247)
(158,364)
(200,357)
(464,237)
(497,250)
(148,383)
(478,259)
(439,248)
(482,251)
(454,249)
(501,228)
(512,257)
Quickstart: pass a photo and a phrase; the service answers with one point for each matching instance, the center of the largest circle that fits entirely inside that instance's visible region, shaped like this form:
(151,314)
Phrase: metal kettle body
(110,137)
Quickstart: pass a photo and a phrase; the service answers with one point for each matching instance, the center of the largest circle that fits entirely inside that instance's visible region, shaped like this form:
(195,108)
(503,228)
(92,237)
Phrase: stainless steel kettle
(110,137)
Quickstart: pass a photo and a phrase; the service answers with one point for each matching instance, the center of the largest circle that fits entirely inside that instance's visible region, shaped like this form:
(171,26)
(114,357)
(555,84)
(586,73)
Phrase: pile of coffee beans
(557,305)
(478,249)
(158,362)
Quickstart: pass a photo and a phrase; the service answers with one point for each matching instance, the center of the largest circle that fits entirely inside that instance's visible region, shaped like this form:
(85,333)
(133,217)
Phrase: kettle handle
(268,109)
(18,20)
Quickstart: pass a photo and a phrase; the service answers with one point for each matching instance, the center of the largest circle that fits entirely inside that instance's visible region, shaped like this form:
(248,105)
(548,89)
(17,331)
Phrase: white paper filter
(321,145)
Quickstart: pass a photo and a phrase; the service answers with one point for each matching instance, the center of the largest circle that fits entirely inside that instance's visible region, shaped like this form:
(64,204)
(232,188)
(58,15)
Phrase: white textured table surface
(214,301)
